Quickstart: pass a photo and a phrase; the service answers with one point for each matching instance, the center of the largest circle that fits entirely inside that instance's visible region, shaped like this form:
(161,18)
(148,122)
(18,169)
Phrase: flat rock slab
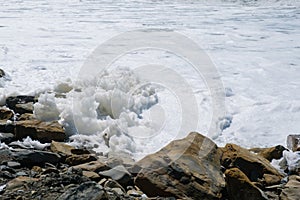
(37,130)
(31,158)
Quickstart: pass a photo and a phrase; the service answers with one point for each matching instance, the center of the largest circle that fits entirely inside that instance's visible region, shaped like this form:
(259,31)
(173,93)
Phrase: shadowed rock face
(189,167)
(239,187)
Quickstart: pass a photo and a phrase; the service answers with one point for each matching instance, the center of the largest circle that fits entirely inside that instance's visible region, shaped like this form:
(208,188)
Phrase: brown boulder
(38,130)
(270,153)
(185,168)
(6,113)
(254,166)
(239,187)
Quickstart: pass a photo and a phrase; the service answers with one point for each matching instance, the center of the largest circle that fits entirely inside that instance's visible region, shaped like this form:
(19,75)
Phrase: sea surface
(254,45)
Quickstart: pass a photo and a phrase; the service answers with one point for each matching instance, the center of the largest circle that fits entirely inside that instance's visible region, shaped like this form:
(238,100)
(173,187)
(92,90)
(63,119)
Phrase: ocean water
(254,45)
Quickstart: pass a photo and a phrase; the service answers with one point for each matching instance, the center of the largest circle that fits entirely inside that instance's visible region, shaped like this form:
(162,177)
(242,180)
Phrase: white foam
(32,144)
(46,109)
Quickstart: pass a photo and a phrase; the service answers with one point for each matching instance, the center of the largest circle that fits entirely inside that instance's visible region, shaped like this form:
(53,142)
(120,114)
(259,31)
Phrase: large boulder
(185,168)
(254,166)
(239,187)
(38,130)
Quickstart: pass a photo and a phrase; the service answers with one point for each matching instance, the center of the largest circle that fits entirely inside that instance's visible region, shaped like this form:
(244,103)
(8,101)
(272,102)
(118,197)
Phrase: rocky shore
(43,166)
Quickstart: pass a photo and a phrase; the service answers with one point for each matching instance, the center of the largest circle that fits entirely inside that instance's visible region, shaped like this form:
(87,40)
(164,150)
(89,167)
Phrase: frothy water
(255,45)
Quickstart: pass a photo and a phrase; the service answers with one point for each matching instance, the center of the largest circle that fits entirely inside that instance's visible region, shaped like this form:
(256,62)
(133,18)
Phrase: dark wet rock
(94,166)
(293,142)
(89,190)
(80,151)
(38,130)
(50,170)
(291,189)
(239,187)
(7,137)
(31,158)
(15,102)
(270,153)
(2,73)
(80,159)
(186,168)
(7,175)
(254,166)
(7,126)
(119,174)
(5,113)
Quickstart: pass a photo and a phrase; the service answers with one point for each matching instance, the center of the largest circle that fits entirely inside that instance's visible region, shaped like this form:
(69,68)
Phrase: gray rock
(119,174)
(31,158)
(293,142)
(6,137)
(89,190)
(21,174)
(291,189)
(13,164)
